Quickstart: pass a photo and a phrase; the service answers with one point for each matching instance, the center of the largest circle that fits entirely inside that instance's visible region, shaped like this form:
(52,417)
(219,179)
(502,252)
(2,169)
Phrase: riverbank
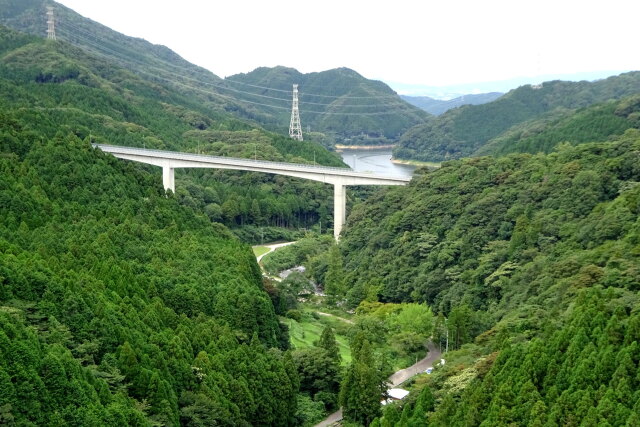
(416,163)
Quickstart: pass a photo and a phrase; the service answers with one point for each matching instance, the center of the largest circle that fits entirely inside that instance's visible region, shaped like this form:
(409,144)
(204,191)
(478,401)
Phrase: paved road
(273,248)
(396,379)
(421,366)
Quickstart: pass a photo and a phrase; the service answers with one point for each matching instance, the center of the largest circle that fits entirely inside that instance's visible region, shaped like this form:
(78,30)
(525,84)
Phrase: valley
(139,284)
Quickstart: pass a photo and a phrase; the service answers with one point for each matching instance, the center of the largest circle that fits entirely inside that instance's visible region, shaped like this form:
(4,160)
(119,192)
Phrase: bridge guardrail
(239,161)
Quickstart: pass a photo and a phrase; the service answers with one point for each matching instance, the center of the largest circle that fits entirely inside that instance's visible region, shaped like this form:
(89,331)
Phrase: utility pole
(295,129)
(447,327)
(51,24)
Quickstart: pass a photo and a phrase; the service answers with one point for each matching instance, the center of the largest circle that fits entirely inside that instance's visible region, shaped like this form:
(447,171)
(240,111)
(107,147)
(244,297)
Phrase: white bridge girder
(338,177)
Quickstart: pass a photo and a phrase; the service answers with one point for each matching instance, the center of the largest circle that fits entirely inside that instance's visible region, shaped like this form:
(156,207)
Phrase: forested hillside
(582,370)
(463,131)
(152,62)
(595,123)
(533,259)
(118,306)
(341,103)
(55,87)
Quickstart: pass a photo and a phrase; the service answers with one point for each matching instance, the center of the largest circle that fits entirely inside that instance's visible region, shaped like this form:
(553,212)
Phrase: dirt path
(396,379)
(272,248)
(349,321)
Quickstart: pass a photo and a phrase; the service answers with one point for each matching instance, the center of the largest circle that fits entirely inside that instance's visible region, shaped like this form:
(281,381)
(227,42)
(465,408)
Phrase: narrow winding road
(396,379)
(273,248)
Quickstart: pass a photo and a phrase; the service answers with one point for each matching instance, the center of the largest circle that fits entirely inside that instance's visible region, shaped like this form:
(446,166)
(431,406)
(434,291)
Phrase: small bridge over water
(338,177)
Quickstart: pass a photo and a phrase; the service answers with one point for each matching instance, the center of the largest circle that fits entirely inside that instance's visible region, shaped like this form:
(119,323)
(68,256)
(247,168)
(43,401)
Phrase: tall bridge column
(169,178)
(339,208)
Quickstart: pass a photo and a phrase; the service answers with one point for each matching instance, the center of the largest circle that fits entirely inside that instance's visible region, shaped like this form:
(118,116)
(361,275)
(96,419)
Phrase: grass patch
(304,333)
(260,250)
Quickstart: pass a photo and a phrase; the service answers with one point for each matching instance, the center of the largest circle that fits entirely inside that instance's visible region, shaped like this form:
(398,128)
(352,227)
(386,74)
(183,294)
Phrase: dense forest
(531,264)
(463,131)
(121,306)
(580,371)
(598,122)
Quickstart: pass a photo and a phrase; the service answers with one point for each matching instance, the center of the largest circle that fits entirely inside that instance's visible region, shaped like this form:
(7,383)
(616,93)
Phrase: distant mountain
(339,102)
(454,91)
(463,131)
(438,106)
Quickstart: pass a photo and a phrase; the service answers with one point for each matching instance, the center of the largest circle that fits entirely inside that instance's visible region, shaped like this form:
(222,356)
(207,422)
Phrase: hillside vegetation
(533,259)
(118,306)
(463,131)
(599,122)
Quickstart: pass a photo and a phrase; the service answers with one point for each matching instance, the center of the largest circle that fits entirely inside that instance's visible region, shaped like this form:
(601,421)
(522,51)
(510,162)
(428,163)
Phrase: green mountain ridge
(119,305)
(598,122)
(463,131)
(340,102)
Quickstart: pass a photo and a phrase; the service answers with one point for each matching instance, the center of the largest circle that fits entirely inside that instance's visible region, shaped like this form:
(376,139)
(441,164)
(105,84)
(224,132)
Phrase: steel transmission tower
(295,129)
(51,24)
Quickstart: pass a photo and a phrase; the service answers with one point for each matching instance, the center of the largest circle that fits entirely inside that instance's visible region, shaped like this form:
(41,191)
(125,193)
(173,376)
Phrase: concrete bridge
(338,177)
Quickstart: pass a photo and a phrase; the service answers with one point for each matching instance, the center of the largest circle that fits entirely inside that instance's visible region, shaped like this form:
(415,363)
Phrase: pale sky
(415,42)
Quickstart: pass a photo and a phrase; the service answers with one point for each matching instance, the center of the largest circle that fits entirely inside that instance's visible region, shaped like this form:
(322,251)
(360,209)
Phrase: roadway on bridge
(340,178)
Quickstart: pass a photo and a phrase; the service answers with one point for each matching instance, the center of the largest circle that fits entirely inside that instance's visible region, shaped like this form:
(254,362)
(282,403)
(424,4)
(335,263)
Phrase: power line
(128,59)
(393,97)
(303,95)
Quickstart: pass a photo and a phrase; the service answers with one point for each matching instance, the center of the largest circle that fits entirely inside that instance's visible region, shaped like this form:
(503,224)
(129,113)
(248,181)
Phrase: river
(375,161)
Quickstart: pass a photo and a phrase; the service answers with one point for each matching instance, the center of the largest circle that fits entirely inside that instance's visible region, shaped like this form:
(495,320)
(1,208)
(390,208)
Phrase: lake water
(375,161)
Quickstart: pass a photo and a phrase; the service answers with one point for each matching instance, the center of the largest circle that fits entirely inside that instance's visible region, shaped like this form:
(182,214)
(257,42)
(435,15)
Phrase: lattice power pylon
(51,24)
(295,128)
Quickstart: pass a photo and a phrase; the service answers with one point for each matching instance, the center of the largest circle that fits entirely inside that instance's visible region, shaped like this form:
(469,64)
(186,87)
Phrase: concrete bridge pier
(339,208)
(169,178)
(338,177)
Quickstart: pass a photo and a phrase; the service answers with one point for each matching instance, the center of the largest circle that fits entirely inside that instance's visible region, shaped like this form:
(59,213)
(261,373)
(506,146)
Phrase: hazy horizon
(411,43)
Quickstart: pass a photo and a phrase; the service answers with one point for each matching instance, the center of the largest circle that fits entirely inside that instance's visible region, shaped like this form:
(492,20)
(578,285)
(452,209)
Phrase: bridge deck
(244,163)
(338,177)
